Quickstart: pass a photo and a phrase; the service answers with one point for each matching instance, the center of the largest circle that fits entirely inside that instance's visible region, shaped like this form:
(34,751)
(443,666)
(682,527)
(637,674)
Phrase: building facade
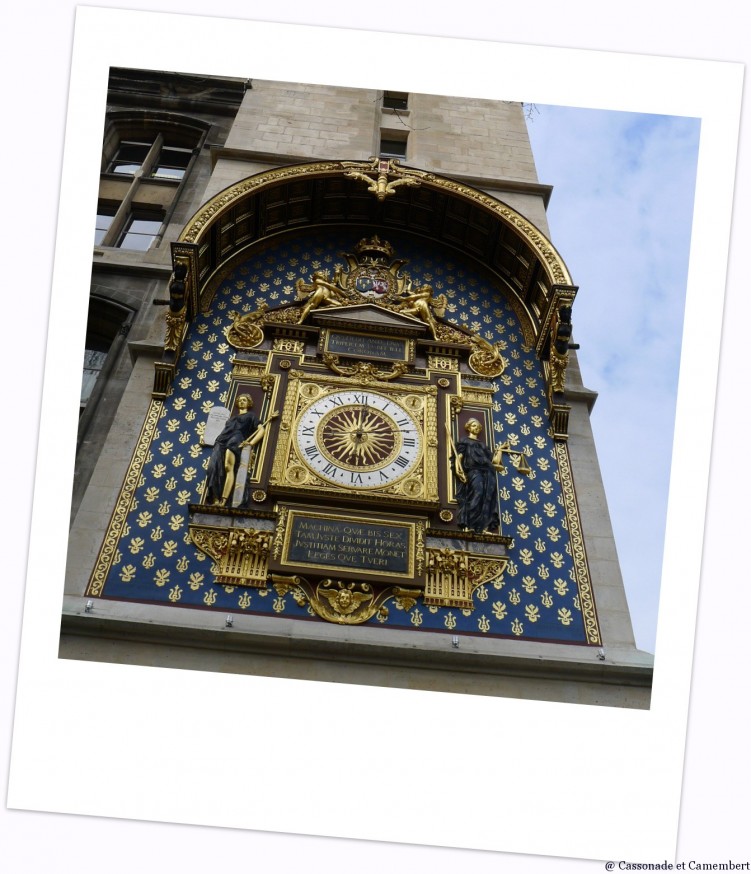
(332,424)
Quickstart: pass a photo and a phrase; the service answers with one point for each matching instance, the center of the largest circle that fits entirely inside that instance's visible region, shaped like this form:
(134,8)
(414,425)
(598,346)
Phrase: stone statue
(477,490)
(242,429)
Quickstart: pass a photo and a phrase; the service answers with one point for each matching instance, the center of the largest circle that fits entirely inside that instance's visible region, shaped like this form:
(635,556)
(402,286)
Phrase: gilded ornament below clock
(346,603)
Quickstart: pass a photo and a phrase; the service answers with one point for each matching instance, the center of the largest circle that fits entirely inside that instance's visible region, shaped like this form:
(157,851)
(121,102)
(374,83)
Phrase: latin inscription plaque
(367,346)
(358,545)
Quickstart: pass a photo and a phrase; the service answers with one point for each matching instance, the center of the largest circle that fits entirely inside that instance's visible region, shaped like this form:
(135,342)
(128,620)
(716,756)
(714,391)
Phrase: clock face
(360,439)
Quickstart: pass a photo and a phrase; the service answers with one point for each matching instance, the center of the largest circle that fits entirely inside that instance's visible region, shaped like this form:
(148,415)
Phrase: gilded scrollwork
(486,359)
(383,177)
(246,332)
(288,415)
(445,333)
(280,529)
(212,541)
(345,602)
(248,370)
(364,371)
(286,316)
(482,570)
(175,329)
(420,548)
(454,575)
(241,554)
(560,336)
(558,365)
(431,437)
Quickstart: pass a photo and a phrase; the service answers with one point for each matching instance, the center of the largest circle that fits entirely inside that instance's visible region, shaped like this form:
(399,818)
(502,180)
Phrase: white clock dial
(359,439)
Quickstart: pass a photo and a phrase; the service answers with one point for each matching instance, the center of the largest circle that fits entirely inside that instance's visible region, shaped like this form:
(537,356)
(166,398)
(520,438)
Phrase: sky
(620,215)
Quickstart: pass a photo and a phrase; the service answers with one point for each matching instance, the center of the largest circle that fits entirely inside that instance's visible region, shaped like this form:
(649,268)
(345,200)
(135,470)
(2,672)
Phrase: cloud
(620,215)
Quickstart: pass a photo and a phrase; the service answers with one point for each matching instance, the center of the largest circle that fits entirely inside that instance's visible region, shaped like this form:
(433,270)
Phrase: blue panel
(538,596)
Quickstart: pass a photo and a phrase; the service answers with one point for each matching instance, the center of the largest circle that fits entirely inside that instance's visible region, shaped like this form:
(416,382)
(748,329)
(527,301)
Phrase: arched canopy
(398,199)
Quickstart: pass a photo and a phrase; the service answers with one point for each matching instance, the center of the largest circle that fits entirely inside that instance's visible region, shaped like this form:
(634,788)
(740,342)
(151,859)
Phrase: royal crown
(372,245)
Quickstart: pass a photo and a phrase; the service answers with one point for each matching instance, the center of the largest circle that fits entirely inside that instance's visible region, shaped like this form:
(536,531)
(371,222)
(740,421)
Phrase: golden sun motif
(359,437)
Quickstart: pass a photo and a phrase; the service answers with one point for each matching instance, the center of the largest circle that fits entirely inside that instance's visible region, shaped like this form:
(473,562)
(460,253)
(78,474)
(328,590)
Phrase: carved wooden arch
(326,193)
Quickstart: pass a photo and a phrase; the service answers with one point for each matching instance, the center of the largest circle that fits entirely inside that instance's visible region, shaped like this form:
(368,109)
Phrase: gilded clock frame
(302,388)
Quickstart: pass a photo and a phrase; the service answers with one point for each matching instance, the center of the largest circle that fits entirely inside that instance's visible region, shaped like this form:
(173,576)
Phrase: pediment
(369,317)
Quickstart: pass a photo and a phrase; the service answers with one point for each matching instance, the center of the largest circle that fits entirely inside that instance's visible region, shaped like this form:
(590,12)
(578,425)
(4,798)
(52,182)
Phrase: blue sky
(620,215)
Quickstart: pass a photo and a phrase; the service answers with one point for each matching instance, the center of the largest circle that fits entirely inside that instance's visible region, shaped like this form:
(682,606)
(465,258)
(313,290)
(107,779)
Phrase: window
(146,161)
(93,362)
(107,320)
(140,231)
(393,145)
(172,163)
(165,161)
(129,157)
(103,221)
(395,100)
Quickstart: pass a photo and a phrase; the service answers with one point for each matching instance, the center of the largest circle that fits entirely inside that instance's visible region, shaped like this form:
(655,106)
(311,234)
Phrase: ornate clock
(371,441)
(350,500)
(360,439)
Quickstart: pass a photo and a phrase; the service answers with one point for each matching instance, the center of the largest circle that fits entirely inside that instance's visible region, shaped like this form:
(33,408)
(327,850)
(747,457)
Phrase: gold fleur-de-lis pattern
(148,555)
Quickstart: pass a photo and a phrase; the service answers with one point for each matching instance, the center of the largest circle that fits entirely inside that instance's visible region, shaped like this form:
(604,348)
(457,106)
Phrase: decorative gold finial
(379,183)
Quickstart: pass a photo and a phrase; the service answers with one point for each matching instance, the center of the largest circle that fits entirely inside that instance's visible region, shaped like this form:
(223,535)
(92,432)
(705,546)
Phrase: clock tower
(364,442)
